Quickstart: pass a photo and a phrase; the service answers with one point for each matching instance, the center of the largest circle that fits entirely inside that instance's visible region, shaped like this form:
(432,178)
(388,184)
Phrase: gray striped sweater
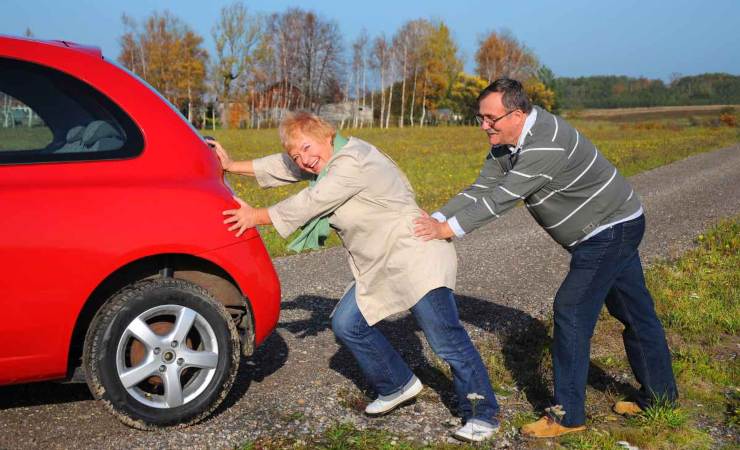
(566,184)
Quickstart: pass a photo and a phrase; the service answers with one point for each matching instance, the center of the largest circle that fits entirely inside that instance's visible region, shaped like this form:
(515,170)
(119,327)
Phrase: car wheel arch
(197,270)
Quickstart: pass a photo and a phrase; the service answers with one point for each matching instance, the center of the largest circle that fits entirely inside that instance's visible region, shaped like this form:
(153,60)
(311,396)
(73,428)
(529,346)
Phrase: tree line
(265,65)
(625,92)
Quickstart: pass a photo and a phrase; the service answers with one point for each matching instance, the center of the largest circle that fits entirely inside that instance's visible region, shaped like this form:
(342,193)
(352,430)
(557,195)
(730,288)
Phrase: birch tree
(380,60)
(411,38)
(168,54)
(235,34)
(359,47)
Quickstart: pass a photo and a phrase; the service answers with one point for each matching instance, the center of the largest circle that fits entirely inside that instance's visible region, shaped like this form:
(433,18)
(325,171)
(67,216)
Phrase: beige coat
(372,208)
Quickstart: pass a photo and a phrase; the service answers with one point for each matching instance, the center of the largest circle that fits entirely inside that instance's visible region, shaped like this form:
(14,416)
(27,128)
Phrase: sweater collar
(526,129)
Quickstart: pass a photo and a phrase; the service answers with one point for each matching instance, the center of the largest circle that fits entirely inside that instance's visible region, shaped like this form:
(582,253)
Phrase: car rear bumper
(249,264)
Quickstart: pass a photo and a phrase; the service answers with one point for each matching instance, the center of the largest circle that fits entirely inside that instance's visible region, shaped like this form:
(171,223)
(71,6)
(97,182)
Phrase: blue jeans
(606,269)
(385,370)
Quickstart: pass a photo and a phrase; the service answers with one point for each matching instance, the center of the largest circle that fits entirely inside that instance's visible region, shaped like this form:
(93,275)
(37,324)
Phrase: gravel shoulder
(301,381)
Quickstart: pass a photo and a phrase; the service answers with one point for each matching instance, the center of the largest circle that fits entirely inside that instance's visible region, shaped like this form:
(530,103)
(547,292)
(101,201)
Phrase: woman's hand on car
(241,219)
(245,167)
(223,157)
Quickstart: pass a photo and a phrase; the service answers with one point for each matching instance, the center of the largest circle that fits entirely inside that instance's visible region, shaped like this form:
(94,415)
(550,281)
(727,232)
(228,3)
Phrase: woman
(364,196)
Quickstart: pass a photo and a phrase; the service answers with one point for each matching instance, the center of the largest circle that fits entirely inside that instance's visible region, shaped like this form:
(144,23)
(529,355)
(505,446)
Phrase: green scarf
(314,234)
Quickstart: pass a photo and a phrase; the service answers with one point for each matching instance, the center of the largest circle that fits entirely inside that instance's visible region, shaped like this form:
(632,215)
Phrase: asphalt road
(301,380)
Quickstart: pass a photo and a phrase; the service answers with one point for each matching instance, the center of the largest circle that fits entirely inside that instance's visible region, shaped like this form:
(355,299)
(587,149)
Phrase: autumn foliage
(169,55)
(264,65)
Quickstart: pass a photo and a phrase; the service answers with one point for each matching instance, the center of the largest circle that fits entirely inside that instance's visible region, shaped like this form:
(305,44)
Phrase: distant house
(282,94)
(344,113)
(268,105)
(446,115)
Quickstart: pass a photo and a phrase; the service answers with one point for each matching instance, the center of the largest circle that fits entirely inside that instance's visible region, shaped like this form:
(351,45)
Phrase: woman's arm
(344,180)
(270,171)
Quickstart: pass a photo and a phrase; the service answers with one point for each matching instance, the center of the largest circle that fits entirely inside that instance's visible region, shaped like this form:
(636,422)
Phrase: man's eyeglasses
(490,121)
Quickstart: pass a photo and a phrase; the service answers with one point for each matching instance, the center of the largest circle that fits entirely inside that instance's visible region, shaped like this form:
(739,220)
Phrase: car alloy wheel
(169,360)
(161,353)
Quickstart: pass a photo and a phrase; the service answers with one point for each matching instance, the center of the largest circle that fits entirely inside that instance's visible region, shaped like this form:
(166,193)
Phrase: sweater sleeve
(277,170)
(536,167)
(490,176)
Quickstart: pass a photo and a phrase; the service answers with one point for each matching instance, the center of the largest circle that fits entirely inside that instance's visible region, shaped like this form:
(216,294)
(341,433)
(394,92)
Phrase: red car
(113,253)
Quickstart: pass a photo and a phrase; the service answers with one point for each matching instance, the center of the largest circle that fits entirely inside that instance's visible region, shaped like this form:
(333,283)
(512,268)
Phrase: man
(586,206)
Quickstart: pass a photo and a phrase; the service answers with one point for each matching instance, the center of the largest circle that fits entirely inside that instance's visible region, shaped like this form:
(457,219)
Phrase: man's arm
(533,171)
(489,177)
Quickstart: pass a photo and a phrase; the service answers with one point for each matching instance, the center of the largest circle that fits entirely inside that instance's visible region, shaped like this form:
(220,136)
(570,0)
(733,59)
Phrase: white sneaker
(387,403)
(476,430)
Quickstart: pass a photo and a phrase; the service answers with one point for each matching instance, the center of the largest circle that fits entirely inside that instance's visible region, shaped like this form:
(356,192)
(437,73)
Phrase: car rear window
(49,116)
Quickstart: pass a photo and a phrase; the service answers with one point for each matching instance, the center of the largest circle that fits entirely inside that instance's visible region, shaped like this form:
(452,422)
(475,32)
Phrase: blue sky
(573,37)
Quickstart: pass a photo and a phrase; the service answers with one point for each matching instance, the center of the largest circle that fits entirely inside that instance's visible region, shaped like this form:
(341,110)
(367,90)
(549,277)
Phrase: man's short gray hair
(514,96)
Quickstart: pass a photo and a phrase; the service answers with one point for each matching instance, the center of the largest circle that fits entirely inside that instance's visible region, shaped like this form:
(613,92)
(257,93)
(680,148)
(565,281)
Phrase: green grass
(700,292)
(24,138)
(592,440)
(440,161)
(345,436)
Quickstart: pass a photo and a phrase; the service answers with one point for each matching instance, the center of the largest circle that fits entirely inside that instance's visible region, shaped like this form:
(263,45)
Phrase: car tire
(161,353)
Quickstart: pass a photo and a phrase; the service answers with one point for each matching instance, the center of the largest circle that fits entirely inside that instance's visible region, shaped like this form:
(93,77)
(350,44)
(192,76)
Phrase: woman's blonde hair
(306,123)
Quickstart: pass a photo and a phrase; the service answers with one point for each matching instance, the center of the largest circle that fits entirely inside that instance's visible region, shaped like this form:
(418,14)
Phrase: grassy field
(698,300)
(22,138)
(651,113)
(440,161)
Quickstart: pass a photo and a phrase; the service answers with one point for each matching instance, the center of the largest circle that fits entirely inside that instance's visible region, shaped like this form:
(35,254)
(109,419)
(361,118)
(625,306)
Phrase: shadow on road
(44,393)
(267,359)
(524,345)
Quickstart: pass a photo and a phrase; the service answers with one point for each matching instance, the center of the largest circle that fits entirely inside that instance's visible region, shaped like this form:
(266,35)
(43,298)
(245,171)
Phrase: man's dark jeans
(606,269)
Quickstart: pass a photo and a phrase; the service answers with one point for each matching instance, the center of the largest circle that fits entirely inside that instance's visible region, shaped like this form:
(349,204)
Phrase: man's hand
(242,218)
(427,229)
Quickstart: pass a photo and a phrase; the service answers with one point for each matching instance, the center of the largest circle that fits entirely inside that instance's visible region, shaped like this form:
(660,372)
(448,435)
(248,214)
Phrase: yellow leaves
(539,94)
(168,54)
(500,54)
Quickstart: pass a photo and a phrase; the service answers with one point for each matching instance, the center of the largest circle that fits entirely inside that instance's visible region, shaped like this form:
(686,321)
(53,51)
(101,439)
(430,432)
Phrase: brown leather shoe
(547,428)
(627,408)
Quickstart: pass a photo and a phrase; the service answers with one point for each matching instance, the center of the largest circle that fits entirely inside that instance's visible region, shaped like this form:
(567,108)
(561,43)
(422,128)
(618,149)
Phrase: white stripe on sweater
(469,196)
(596,154)
(489,207)
(480,186)
(556,128)
(509,192)
(530,176)
(584,203)
(544,149)
(574,147)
